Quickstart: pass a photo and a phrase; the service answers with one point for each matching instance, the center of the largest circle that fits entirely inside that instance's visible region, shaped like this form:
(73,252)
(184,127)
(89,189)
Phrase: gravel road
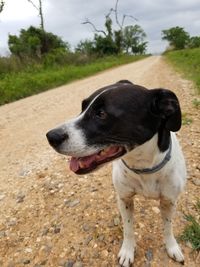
(49,216)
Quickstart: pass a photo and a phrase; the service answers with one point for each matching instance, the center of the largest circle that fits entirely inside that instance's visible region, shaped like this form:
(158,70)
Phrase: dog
(133,127)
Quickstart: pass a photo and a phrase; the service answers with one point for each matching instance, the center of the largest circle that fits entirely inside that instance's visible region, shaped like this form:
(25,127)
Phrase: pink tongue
(88,160)
(74,166)
(74,163)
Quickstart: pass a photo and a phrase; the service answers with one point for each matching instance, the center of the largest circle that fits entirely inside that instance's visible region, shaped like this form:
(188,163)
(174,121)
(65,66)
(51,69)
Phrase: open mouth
(87,164)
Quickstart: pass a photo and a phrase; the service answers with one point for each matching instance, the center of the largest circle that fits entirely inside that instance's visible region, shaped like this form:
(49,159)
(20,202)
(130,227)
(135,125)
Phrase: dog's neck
(144,156)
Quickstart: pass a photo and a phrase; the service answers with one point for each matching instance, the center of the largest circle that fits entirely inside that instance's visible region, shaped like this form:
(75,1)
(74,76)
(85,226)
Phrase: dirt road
(49,216)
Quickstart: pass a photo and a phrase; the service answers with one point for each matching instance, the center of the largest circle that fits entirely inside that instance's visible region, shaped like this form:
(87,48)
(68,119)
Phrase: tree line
(178,38)
(123,39)
(36,42)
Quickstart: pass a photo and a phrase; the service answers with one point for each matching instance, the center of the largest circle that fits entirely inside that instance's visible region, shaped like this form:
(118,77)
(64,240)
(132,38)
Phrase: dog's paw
(175,253)
(126,255)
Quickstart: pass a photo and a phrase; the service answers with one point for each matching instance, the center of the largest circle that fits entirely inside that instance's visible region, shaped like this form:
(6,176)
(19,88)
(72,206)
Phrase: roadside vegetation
(188,62)
(40,77)
(184,53)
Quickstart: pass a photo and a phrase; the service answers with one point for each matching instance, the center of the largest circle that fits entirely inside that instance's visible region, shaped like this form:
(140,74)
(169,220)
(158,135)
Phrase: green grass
(196,103)
(191,232)
(38,78)
(187,61)
(186,120)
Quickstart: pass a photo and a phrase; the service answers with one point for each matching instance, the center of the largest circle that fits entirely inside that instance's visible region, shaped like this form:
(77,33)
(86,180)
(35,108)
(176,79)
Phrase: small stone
(116,221)
(12,222)
(78,264)
(156,210)
(188,244)
(20,197)
(2,196)
(72,203)
(94,189)
(44,251)
(2,234)
(101,237)
(28,250)
(149,254)
(69,263)
(26,261)
(196,181)
(141,225)
(56,230)
(86,227)
(43,262)
(60,185)
(104,253)
(88,239)
(61,262)
(45,231)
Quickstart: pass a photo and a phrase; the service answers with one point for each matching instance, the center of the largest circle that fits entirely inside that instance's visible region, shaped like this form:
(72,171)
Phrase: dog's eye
(101,114)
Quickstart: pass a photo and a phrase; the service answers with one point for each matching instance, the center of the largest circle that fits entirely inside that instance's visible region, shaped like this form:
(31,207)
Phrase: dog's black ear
(84,104)
(124,81)
(165,104)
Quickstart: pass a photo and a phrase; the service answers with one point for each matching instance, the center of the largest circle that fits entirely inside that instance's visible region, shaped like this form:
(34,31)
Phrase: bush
(34,42)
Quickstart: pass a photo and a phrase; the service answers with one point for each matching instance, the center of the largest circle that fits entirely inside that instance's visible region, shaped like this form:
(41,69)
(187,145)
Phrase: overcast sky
(64,17)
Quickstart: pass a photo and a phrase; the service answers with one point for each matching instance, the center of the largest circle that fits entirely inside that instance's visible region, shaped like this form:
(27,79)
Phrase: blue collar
(155,168)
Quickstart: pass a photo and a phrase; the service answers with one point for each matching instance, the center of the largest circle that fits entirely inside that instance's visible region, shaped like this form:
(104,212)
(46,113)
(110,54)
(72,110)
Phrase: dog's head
(114,120)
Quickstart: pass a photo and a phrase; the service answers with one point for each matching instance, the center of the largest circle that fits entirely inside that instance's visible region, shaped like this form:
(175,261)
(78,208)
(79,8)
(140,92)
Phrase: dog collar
(155,168)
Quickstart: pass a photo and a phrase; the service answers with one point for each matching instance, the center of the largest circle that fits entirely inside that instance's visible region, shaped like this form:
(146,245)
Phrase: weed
(186,120)
(191,232)
(196,103)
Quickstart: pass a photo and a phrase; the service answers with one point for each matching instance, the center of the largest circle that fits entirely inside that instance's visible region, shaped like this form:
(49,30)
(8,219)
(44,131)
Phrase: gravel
(50,215)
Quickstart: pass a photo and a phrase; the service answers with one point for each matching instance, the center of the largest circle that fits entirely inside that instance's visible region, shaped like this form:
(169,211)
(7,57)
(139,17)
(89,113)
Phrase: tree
(40,11)
(85,47)
(113,41)
(194,42)
(2,3)
(133,39)
(176,36)
(34,42)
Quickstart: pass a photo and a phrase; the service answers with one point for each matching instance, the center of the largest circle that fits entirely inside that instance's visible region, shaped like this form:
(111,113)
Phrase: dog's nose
(56,137)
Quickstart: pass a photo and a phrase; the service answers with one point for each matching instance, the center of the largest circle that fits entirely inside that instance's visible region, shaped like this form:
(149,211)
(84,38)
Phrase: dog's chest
(146,185)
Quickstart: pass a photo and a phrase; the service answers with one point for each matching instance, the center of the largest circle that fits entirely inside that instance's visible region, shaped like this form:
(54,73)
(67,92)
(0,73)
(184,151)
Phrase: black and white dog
(133,126)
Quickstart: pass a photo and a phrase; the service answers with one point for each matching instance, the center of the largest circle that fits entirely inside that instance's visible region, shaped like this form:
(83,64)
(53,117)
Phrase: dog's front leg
(167,211)
(126,254)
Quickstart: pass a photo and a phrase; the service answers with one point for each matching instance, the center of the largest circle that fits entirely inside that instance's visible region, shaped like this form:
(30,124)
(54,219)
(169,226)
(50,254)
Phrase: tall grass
(40,77)
(187,61)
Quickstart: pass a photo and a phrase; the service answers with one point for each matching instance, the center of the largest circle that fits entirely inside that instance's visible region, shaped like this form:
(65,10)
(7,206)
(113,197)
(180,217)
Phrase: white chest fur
(167,182)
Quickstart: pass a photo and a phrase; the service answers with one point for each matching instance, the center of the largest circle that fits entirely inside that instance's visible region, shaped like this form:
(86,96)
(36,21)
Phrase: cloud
(64,17)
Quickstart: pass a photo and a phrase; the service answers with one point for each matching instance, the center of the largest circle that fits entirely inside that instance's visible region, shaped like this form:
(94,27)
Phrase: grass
(196,103)
(191,232)
(187,61)
(186,120)
(38,78)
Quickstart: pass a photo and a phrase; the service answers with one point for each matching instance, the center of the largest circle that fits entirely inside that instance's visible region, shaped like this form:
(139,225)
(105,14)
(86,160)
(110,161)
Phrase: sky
(65,17)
